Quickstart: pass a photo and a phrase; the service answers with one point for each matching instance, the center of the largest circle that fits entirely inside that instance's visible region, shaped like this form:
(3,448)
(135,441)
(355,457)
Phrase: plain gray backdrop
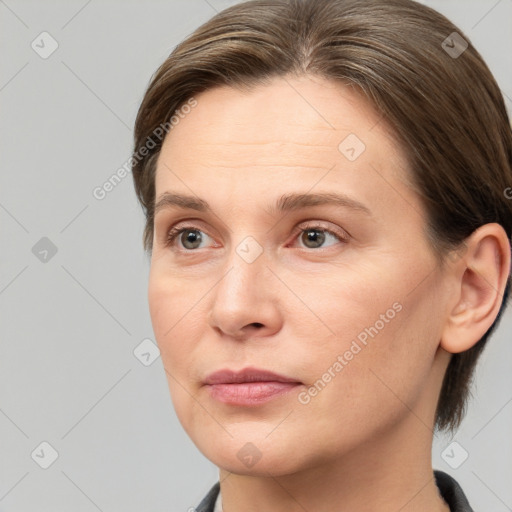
(86,423)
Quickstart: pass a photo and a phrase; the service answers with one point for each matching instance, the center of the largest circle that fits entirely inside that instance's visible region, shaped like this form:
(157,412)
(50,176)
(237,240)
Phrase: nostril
(257,324)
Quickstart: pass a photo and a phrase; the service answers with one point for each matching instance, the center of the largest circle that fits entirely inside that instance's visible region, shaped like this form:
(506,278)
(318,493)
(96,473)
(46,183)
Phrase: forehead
(288,129)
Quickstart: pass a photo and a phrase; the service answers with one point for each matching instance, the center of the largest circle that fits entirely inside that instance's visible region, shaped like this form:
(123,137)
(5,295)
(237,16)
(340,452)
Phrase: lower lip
(249,393)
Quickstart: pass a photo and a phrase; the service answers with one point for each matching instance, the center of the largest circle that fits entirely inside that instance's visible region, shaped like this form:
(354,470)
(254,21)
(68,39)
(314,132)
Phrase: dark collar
(449,488)
(208,502)
(451,492)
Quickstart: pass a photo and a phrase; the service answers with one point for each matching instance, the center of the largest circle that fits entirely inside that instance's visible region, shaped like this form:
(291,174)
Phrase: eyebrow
(286,203)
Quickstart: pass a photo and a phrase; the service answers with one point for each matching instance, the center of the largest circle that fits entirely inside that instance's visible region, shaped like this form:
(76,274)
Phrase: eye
(314,236)
(190,237)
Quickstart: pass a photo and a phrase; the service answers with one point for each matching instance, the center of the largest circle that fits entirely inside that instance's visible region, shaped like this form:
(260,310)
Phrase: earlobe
(483,271)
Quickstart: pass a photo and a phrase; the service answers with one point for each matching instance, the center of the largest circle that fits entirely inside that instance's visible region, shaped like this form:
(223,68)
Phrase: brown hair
(440,100)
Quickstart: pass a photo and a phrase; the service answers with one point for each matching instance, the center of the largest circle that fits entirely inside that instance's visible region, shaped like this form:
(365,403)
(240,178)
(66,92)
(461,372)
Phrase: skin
(363,443)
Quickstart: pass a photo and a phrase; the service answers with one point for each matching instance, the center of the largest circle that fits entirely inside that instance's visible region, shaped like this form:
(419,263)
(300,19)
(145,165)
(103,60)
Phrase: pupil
(314,235)
(192,237)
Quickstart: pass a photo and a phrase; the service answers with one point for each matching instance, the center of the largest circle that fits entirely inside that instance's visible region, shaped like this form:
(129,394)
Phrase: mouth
(248,387)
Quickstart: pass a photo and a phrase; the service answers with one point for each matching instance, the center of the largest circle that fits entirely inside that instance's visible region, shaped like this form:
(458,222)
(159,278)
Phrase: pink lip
(250,386)
(245,375)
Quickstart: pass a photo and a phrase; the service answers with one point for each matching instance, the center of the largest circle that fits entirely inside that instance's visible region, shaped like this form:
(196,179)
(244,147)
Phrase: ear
(481,272)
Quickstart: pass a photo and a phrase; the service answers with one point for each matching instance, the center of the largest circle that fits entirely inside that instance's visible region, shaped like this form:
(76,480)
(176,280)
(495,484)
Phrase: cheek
(373,386)
(172,308)
(171,302)
(383,342)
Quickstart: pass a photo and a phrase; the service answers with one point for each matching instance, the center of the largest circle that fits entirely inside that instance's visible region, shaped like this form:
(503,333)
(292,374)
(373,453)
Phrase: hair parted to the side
(447,113)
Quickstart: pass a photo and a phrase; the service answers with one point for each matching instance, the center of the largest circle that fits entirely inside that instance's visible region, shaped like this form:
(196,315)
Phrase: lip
(249,386)
(249,374)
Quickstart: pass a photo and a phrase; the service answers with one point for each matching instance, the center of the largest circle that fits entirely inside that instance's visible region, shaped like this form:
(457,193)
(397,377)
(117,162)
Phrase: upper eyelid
(308,224)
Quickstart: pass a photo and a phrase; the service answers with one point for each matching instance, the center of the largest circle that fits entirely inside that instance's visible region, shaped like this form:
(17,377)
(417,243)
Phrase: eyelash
(176,231)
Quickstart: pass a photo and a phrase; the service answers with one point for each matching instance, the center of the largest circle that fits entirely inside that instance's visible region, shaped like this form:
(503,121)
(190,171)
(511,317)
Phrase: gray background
(70,324)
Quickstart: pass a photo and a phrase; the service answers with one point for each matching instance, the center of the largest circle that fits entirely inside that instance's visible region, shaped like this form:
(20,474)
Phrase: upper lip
(228,376)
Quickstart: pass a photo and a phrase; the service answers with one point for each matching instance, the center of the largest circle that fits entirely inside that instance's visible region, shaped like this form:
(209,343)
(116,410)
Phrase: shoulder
(449,488)
(452,492)
(208,502)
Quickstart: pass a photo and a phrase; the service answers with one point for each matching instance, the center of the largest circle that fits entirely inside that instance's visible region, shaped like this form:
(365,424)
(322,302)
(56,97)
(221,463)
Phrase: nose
(244,303)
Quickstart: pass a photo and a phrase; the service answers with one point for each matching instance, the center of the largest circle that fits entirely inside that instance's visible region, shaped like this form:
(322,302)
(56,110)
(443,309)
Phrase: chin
(250,452)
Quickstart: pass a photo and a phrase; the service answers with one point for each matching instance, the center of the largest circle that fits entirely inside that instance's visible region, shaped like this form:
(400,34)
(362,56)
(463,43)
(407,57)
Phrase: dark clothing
(449,488)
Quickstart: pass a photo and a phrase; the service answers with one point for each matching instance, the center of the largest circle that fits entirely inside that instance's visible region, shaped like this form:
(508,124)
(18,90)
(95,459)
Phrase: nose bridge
(243,280)
(243,297)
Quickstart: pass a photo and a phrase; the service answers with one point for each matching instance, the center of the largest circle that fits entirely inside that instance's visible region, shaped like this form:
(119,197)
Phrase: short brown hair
(444,107)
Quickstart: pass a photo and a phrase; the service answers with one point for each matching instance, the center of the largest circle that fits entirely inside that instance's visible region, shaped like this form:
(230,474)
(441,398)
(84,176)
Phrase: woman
(325,190)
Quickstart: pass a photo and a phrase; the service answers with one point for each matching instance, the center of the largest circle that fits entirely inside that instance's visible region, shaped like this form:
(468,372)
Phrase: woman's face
(303,254)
